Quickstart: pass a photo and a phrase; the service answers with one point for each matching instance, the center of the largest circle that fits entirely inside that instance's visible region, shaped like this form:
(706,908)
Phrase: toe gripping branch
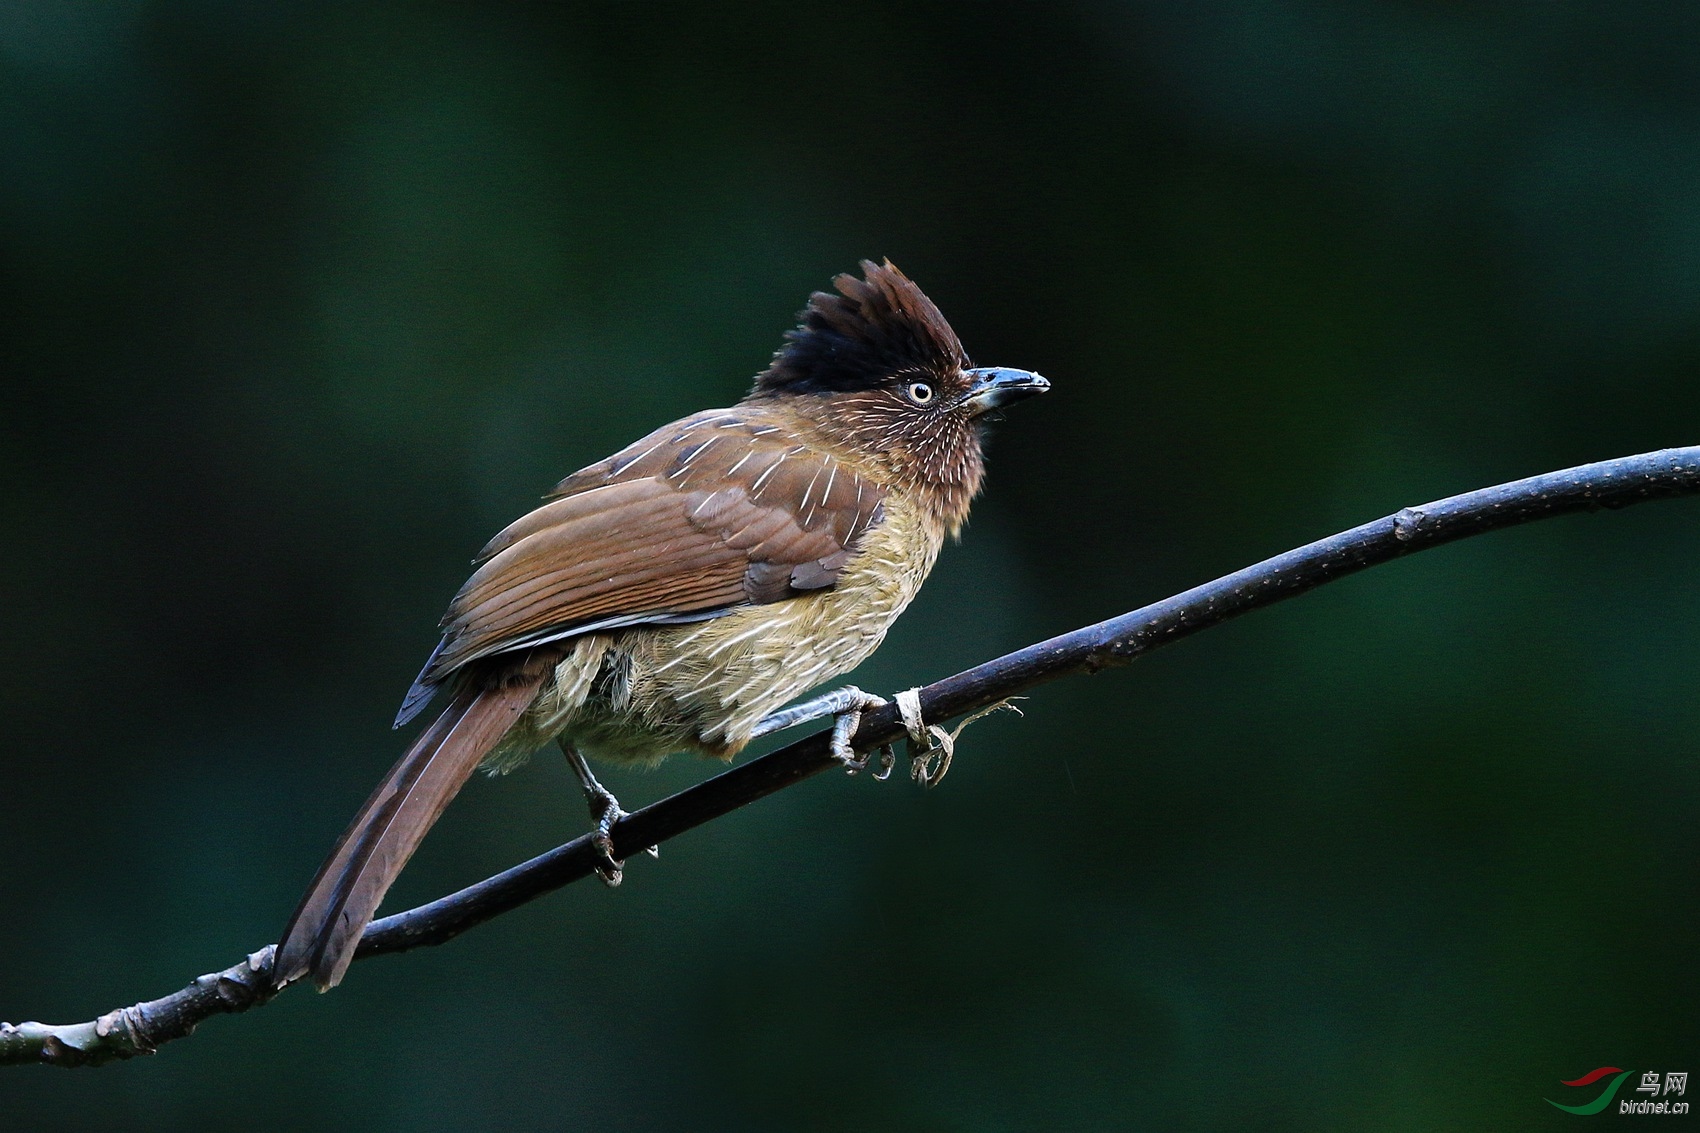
(930,747)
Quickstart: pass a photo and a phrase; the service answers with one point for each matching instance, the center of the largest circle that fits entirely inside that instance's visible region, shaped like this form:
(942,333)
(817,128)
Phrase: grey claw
(605,812)
(849,719)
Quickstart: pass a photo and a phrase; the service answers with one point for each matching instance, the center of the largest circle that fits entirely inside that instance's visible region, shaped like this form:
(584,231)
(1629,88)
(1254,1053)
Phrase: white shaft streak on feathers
(809,507)
(755,488)
(702,448)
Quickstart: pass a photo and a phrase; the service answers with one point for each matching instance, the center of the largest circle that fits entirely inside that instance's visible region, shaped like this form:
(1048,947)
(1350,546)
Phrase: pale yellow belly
(640,695)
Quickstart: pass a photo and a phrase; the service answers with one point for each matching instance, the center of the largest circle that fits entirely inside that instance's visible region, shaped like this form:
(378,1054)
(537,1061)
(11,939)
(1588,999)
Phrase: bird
(674,596)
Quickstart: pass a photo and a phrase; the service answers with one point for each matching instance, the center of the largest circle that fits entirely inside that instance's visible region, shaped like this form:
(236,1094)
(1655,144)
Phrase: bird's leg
(604,811)
(847,704)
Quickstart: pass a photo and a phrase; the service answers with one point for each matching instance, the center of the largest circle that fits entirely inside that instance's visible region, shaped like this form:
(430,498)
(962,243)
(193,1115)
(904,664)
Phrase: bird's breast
(642,694)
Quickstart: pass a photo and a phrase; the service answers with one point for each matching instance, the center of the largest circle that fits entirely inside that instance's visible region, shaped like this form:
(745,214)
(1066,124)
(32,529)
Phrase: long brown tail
(322,934)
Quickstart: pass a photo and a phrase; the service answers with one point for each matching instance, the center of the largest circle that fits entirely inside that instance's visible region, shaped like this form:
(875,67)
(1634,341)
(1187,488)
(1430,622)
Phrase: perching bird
(672,597)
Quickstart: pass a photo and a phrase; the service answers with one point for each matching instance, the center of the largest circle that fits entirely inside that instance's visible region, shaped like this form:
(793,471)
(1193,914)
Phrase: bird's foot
(882,769)
(844,726)
(847,705)
(605,811)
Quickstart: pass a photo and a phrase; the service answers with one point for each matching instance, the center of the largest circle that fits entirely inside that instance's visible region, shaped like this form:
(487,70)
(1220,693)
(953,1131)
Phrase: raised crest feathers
(873,328)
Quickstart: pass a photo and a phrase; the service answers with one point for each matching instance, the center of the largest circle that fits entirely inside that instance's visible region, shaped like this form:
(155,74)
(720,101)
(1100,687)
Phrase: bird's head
(876,370)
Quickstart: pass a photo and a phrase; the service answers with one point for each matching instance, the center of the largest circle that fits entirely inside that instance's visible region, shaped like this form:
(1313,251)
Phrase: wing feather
(713,512)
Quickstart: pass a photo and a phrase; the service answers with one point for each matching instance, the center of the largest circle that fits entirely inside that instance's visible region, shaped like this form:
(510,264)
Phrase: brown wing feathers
(704,516)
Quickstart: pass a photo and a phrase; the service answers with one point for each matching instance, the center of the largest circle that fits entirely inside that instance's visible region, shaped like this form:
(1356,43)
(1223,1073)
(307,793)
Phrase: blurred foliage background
(302,301)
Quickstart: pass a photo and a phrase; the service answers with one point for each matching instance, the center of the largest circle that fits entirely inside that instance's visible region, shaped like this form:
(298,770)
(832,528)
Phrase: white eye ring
(919,392)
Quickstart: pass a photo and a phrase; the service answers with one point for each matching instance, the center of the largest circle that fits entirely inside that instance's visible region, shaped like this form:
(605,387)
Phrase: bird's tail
(322,934)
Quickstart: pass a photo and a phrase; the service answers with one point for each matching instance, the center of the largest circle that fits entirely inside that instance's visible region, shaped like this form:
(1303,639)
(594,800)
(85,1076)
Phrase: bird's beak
(995,387)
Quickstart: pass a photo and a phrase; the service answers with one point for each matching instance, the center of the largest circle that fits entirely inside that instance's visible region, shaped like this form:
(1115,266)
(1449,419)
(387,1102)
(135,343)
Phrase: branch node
(1410,522)
(55,1049)
(130,1025)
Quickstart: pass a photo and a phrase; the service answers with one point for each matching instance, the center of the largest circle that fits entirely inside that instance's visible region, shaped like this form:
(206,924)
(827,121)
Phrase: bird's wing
(714,512)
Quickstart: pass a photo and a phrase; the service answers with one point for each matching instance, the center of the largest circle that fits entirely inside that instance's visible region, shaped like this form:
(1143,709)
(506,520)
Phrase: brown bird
(672,597)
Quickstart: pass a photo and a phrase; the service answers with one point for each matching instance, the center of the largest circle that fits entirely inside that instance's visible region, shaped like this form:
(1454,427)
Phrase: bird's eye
(919,392)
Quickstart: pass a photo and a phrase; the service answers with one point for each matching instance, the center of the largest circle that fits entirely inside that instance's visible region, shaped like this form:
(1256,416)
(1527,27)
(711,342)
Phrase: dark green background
(302,301)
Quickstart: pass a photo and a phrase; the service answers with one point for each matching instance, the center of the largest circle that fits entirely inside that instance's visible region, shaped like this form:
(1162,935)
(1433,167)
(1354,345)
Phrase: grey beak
(995,387)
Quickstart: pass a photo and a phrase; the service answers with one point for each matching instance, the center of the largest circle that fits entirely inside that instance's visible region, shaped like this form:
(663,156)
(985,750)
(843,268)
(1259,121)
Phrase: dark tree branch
(142,1028)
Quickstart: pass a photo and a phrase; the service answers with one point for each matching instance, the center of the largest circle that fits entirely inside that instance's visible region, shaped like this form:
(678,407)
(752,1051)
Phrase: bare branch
(142,1028)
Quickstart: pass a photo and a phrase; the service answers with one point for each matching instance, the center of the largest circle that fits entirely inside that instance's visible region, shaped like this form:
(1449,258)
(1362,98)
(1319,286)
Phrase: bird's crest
(875,327)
